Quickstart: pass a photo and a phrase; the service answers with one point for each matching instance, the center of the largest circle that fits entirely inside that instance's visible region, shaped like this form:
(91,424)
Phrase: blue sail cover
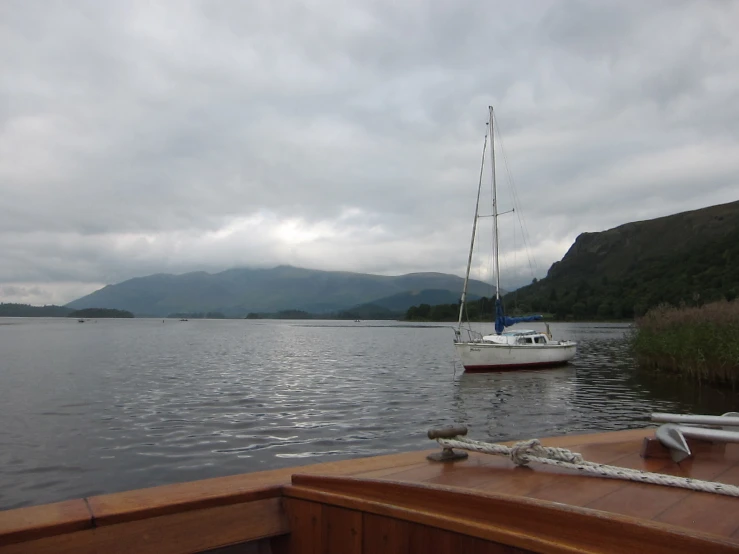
(502,321)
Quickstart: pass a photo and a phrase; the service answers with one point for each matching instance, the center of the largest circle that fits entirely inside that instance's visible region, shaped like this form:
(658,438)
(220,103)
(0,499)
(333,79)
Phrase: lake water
(114,405)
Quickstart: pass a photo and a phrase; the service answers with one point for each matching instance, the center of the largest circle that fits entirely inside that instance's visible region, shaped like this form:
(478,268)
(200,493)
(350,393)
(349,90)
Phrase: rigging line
(524,229)
(474,230)
(516,201)
(526,240)
(515,296)
(480,269)
(496,238)
(485,267)
(490,256)
(514,191)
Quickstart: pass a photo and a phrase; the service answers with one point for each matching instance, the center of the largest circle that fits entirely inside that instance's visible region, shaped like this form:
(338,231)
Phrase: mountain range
(238,292)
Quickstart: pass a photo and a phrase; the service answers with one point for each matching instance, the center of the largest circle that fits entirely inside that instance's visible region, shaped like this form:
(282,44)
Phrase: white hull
(481,356)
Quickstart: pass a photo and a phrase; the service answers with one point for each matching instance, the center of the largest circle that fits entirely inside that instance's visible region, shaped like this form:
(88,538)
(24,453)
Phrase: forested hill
(690,257)
(26,310)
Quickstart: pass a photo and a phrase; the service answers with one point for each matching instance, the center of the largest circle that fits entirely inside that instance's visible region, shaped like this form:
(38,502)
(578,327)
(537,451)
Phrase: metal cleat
(447,454)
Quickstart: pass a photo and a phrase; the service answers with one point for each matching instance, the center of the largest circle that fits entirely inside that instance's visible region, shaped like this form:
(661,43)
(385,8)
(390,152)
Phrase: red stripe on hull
(513,367)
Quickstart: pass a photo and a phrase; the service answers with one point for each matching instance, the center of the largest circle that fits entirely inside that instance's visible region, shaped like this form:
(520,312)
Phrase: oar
(729,419)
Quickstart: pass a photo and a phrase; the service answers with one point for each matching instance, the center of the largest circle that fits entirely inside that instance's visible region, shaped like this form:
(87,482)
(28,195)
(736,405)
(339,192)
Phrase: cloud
(138,138)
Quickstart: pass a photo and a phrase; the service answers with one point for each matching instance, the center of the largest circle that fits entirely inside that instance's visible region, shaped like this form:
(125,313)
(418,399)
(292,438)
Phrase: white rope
(522,453)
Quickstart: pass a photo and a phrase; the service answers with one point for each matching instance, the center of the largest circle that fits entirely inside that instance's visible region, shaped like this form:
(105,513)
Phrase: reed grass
(700,343)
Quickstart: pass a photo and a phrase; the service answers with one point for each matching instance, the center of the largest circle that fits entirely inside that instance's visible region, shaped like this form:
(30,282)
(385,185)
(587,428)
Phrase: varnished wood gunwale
(480,472)
(189,531)
(34,522)
(219,491)
(24,524)
(538,526)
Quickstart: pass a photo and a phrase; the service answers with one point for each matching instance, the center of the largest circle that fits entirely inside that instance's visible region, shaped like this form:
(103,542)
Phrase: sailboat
(504,350)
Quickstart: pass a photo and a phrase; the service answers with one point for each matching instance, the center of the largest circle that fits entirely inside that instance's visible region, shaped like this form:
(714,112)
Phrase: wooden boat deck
(197,516)
(704,512)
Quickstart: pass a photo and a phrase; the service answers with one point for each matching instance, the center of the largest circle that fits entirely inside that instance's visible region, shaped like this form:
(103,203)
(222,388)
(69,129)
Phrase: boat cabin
(520,338)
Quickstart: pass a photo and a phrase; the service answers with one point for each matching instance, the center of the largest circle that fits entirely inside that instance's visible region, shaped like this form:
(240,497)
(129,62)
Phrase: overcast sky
(141,137)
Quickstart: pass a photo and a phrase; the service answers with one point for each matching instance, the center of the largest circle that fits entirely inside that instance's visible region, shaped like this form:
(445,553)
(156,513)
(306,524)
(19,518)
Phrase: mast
(472,242)
(495,206)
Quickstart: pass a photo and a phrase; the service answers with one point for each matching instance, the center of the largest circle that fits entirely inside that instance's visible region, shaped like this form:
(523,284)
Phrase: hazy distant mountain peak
(239,291)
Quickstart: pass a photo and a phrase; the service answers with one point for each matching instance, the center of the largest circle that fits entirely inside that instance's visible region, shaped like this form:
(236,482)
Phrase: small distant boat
(80,320)
(512,349)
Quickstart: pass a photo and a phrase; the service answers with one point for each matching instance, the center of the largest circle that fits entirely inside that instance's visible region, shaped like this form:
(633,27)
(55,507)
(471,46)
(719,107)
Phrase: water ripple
(128,404)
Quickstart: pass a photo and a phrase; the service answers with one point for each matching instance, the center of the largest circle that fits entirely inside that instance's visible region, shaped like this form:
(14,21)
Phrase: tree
(579,309)
(604,310)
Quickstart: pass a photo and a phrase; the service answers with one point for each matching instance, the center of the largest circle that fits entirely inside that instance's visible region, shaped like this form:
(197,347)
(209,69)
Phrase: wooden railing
(106,525)
(333,514)
(353,516)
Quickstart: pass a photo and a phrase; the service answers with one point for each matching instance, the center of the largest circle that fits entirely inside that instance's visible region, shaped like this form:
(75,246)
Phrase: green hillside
(402,301)
(690,257)
(26,310)
(101,313)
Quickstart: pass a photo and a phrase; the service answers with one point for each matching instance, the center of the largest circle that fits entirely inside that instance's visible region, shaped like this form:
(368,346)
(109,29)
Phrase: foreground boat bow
(405,503)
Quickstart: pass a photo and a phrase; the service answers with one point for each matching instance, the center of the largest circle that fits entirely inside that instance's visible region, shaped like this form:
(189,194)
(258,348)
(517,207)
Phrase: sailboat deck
(198,514)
